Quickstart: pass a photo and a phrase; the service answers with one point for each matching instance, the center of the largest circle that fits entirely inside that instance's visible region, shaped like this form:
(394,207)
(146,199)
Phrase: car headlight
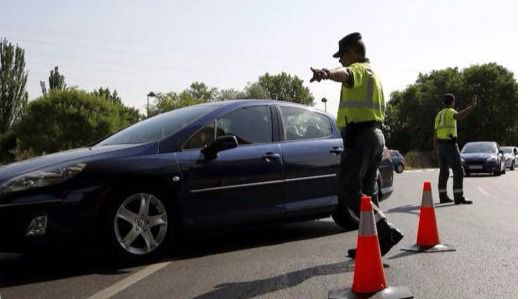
(492,159)
(43,177)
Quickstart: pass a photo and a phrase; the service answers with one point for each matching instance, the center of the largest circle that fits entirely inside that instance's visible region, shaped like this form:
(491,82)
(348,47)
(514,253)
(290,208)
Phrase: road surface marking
(484,192)
(422,170)
(128,281)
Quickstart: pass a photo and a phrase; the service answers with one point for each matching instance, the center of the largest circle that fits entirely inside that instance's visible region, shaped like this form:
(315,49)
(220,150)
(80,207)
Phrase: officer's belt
(363,125)
(447,141)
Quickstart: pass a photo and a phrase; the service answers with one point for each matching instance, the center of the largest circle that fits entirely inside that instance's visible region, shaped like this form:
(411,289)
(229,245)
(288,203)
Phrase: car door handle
(337,150)
(271,156)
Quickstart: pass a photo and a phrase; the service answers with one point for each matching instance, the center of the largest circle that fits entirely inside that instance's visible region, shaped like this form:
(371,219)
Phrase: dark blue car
(483,157)
(222,163)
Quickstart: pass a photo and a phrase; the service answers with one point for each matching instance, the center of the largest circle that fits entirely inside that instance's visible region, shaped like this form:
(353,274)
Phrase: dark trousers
(449,156)
(358,166)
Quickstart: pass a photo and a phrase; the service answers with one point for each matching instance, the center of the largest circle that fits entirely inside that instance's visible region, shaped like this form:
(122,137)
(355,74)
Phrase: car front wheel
(344,217)
(399,168)
(140,226)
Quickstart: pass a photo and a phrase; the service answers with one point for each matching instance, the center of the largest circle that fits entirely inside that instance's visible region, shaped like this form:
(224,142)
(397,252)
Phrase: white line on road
(484,192)
(422,170)
(128,281)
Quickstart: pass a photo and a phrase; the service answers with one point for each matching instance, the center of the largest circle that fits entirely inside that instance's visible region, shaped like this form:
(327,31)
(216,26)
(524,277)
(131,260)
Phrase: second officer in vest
(445,134)
(360,117)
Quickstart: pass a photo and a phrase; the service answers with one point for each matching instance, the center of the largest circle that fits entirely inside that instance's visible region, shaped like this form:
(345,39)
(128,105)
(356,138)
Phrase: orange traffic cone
(428,239)
(369,280)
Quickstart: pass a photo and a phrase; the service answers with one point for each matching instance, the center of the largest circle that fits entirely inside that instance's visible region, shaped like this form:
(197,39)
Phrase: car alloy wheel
(141,224)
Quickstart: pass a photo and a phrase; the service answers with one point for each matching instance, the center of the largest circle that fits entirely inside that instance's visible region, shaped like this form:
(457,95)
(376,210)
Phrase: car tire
(139,226)
(399,168)
(512,167)
(345,218)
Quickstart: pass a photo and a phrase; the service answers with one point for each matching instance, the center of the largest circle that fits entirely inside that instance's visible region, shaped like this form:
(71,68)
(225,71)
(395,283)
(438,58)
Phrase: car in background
(226,163)
(398,161)
(510,154)
(483,157)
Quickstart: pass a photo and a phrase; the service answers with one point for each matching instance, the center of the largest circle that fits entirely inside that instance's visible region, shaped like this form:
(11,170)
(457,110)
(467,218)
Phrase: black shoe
(389,236)
(463,201)
(445,199)
(351,253)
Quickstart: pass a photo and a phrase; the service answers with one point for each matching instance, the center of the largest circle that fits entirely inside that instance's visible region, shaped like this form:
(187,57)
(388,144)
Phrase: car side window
(303,124)
(203,137)
(249,125)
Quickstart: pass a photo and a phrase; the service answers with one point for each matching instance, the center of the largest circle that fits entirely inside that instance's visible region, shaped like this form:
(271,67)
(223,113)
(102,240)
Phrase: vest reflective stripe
(445,124)
(365,101)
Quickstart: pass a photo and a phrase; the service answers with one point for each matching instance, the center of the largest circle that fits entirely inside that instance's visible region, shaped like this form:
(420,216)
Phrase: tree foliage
(56,80)
(172,100)
(13,79)
(283,87)
(131,115)
(65,119)
(410,113)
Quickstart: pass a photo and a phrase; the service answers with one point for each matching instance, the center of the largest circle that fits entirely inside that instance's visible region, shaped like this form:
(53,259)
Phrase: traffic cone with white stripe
(369,280)
(428,239)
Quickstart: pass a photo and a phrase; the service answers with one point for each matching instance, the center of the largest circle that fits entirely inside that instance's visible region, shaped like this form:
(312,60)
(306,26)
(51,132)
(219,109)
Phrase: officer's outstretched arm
(465,112)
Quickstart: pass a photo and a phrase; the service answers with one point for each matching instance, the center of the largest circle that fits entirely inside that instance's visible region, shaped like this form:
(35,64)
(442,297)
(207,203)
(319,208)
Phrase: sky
(139,46)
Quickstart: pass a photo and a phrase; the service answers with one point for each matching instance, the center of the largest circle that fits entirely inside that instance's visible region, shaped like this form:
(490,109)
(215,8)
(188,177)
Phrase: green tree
(13,79)
(66,119)
(282,87)
(172,100)
(56,80)
(410,113)
(231,94)
(201,92)
(130,114)
(13,95)
(106,93)
(255,91)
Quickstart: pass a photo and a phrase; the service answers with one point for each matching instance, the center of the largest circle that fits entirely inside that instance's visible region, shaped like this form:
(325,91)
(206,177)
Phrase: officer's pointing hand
(317,75)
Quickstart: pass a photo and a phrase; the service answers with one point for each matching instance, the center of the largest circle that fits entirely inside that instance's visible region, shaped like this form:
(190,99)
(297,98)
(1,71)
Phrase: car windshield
(481,147)
(507,149)
(158,127)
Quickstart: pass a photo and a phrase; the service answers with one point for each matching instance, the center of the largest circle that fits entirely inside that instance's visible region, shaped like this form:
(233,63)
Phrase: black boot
(444,198)
(389,235)
(460,199)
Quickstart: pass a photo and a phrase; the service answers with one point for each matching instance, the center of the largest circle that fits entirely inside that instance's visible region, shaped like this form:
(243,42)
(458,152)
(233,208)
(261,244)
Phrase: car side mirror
(220,144)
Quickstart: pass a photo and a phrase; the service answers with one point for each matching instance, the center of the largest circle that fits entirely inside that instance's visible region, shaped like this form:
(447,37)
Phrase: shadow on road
(67,260)
(414,209)
(250,289)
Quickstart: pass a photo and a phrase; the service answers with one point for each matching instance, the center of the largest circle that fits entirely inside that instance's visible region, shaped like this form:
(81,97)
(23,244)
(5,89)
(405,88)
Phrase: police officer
(444,142)
(360,117)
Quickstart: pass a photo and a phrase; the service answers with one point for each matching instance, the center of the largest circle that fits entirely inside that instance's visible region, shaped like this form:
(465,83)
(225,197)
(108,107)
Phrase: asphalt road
(303,260)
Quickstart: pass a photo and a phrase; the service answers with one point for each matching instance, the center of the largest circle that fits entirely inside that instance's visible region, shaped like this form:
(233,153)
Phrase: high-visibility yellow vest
(445,124)
(364,101)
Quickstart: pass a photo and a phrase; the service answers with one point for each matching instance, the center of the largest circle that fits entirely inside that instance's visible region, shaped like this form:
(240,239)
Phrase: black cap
(448,98)
(350,40)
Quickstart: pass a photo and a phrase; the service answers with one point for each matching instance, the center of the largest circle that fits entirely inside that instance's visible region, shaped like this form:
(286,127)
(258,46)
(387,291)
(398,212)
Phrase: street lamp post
(324,101)
(151,94)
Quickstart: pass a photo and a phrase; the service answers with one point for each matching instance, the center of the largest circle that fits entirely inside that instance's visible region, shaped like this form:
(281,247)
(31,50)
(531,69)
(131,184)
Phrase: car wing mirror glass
(220,144)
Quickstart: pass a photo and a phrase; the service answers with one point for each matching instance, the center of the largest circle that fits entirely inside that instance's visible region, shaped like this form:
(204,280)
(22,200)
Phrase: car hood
(86,154)
(478,156)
